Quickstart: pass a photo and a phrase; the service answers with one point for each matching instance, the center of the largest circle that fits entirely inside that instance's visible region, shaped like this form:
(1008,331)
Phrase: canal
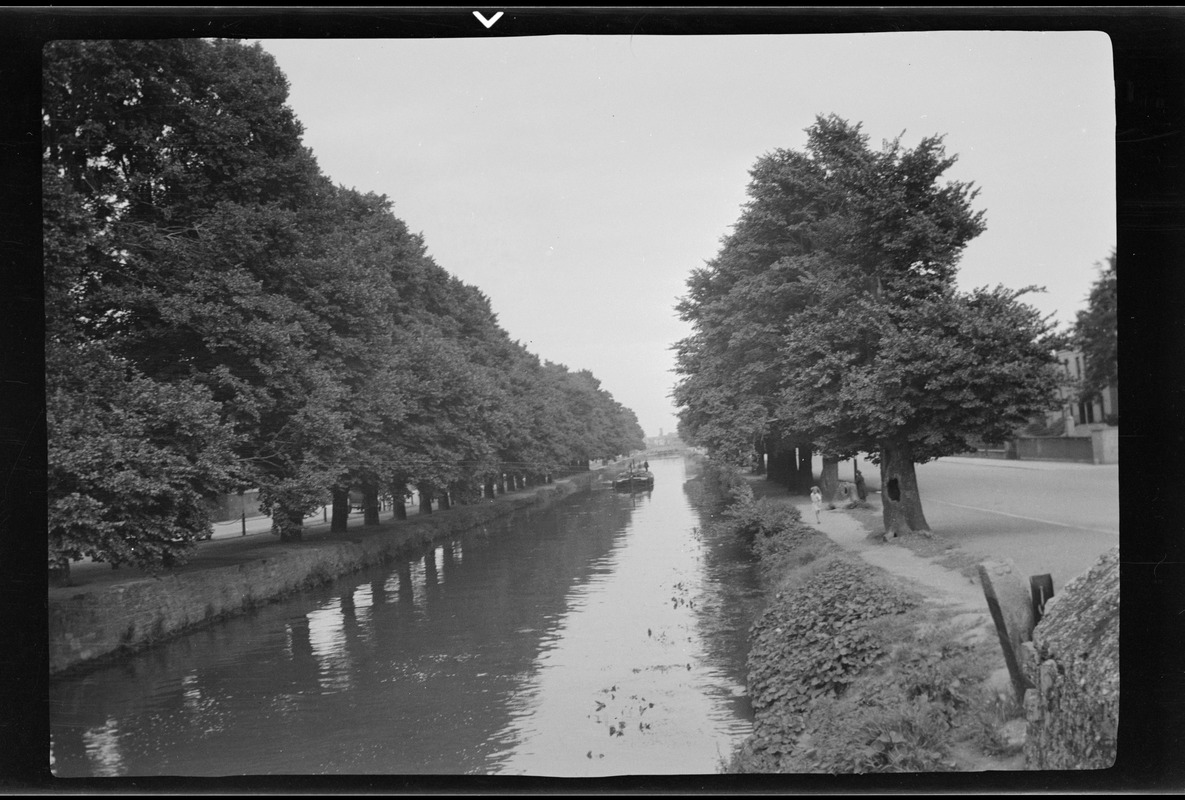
(603,635)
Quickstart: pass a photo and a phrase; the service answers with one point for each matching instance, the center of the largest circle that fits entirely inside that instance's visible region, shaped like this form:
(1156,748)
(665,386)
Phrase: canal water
(603,635)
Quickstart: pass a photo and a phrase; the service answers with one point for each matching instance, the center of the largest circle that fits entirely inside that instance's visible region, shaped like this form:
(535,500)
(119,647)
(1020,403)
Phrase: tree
(206,281)
(844,262)
(938,374)
(1097,331)
(190,169)
(132,461)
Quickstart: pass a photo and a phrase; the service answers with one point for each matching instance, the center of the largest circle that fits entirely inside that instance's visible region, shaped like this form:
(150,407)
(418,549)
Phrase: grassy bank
(850,671)
(105,614)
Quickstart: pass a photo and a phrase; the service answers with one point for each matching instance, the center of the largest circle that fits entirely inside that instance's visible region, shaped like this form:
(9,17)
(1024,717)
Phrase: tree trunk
(289,524)
(370,503)
(829,482)
(430,567)
(399,497)
(59,572)
(858,481)
(899,492)
(425,498)
(758,459)
(781,467)
(806,468)
(341,509)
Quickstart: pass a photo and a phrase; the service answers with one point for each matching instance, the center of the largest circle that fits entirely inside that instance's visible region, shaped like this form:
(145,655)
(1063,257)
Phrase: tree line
(221,316)
(829,322)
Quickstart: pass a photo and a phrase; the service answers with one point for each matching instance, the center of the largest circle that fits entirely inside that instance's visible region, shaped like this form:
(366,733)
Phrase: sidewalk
(1008,463)
(850,529)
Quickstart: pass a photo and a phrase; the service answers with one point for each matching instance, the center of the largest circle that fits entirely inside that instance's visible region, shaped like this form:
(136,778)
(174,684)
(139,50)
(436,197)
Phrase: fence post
(1041,587)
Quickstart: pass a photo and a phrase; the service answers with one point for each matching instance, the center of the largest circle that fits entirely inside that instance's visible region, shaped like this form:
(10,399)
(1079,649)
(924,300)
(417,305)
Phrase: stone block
(1010,601)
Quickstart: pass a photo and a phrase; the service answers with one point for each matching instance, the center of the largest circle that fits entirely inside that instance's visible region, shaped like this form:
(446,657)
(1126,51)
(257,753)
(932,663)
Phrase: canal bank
(601,635)
(867,657)
(105,613)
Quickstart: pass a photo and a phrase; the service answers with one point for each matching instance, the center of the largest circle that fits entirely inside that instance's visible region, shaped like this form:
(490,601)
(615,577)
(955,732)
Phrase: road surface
(1047,517)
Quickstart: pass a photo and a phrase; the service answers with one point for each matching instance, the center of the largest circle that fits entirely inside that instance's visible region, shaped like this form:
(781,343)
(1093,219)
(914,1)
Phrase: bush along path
(855,668)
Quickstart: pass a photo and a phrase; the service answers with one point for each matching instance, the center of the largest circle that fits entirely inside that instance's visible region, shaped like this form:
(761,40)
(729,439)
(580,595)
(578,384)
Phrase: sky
(578,180)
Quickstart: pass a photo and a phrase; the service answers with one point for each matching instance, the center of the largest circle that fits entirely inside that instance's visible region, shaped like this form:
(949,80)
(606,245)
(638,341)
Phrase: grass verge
(849,671)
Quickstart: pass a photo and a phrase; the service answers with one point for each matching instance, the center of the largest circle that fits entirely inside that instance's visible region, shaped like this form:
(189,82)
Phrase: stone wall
(1073,664)
(89,624)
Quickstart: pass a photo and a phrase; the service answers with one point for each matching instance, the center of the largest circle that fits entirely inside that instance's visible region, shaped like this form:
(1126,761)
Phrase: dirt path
(955,598)
(940,586)
(958,599)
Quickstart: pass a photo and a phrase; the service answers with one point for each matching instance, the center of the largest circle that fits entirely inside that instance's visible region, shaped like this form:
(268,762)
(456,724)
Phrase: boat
(634,480)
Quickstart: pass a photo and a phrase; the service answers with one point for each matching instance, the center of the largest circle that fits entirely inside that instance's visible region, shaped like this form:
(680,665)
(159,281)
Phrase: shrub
(723,485)
(753,519)
(879,731)
(810,645)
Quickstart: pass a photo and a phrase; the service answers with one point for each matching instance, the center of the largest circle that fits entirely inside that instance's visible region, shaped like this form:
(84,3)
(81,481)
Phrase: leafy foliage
(220,316)
(760,519)
(830,316)
(905,720)
(131,461)
(812,643)
(866,734)
(1097,330)
(890,694)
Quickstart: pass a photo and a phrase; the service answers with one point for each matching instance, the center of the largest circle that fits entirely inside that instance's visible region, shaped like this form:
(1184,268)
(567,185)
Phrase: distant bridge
(659,452)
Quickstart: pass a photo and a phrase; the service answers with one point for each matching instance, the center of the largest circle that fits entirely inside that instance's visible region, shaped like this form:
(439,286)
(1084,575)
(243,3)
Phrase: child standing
(817,502)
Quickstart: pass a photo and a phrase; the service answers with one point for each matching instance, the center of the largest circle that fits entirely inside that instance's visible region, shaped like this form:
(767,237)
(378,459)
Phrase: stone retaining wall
(1073,665)
(88,624)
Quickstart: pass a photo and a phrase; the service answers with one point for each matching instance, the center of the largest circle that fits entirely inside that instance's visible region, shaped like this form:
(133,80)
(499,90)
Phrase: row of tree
(1096,332)
(221,316)
(829,322)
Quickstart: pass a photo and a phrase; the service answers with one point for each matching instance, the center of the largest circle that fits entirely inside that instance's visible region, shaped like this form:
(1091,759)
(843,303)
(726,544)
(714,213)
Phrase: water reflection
(102,749)
(488,654)
(626,684)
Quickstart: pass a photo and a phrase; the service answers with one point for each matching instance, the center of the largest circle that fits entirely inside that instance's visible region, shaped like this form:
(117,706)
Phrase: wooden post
(1012,614)
(1042,589)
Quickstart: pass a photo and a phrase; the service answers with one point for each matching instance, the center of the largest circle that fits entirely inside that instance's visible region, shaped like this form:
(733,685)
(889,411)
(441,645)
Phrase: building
(1078,416)
(664,441)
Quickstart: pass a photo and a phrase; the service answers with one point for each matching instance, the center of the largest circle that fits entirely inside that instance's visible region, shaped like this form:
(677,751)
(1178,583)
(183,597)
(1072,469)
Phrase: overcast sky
(577,180)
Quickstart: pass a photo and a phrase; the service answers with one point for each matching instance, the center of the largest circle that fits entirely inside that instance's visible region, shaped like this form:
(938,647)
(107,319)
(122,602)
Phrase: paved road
(1046,517)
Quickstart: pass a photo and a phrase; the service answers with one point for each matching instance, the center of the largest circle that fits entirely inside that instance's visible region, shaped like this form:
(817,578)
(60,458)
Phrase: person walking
(817,502)
(861,492)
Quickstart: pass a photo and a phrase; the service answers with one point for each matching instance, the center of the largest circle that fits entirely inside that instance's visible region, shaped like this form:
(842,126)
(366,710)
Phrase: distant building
(663,440)
(1079,415)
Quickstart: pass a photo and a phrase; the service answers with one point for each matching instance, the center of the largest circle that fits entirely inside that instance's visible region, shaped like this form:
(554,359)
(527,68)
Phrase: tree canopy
(221,316)
(830,317)
(1096,331)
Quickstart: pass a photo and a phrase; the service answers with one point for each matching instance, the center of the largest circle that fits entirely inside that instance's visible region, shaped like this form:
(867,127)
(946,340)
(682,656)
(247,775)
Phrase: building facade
(1080,415)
